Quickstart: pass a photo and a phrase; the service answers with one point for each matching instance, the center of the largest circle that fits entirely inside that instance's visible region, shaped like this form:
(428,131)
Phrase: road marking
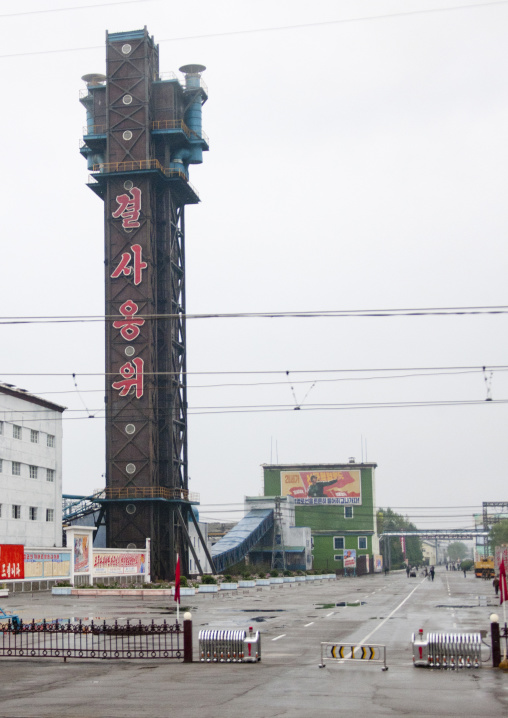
(364,640)
(277,638)
(309,624)
(330,614)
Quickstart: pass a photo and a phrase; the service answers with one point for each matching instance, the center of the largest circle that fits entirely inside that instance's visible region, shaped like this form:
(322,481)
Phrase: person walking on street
(432,573)
(495,583)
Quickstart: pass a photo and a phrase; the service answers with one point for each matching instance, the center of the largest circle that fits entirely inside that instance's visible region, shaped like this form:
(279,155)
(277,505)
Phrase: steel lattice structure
(142,133)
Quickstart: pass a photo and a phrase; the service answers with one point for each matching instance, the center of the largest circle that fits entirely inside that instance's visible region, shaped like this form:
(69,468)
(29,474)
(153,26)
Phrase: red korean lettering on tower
(129,208)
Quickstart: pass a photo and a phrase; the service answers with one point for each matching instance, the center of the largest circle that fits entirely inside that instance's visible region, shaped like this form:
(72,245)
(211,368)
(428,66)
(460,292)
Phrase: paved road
(287,682)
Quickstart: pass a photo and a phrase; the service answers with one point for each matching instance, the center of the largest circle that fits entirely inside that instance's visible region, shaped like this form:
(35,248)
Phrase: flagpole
(503,597)
(177,588)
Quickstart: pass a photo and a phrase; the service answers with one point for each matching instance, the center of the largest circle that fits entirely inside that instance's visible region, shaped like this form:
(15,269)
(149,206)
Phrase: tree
(457,551)
(499,534)
(388,520)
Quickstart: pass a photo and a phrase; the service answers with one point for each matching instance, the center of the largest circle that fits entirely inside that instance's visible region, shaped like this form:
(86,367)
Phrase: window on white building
(34,436)
(50,515)
(362,542)
(16,511)
(16,468)
(32,513)
(1,427)
(33,472)
(348,512)
(16,431)
(1,466)
(50,440)
(50,474)
(338,542)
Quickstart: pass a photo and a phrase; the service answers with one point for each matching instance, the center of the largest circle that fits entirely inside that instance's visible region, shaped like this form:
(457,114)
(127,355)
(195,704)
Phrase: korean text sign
(12,561)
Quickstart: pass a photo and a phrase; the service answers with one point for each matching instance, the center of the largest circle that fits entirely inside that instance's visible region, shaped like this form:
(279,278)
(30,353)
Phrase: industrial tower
(143,131)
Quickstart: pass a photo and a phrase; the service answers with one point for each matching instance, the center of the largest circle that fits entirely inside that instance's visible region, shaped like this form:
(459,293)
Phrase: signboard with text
(112,563)
(12,561)
(349,558)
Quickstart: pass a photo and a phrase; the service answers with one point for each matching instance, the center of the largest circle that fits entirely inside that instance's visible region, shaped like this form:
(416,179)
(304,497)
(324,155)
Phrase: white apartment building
(30,469)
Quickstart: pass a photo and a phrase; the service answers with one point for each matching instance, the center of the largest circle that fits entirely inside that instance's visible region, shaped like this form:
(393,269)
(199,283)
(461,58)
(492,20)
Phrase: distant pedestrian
(495,583)
(432,573)
(407,570)
(465,571)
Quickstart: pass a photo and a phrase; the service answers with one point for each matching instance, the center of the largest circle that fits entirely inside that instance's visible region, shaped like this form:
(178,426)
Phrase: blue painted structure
(236,544)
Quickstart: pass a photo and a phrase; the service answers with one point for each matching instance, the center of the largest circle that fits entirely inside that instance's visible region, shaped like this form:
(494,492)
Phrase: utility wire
(279,28)
(275,408)
(230,372)
(70,9)
(318,314)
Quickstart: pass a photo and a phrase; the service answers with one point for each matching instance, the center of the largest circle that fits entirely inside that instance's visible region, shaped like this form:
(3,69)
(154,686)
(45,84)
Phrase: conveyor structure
(237,543)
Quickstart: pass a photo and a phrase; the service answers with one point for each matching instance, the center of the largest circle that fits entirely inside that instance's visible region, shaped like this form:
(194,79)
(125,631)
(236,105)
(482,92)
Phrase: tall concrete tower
(143,131)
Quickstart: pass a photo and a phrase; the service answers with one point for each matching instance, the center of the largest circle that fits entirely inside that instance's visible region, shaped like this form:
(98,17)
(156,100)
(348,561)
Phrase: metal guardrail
(341,652)
(94,130)
(79,640)
(138,165)
(447,650)
(156,492)
(229,646)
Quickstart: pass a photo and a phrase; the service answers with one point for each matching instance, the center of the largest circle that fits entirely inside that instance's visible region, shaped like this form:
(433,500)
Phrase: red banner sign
(12,561)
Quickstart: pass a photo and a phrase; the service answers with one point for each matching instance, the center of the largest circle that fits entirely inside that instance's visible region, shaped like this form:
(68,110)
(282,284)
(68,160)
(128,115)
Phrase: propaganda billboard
(81,553)
(40,564)
(322,487)
(349,558)
(12,561)
(113,563)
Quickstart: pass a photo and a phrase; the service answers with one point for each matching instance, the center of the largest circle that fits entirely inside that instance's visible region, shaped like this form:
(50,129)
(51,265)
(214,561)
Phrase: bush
(183,581)
(288,573)
(274,573)
(208,579)
(228,578)
(467,565)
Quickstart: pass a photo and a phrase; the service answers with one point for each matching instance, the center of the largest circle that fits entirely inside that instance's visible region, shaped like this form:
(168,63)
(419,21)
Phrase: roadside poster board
(116,563)
(349,558)
(81,553)
(12,561)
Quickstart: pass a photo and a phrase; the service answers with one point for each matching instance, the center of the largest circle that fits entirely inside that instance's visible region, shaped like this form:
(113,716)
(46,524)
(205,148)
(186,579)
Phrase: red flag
(503,590)
(177,579)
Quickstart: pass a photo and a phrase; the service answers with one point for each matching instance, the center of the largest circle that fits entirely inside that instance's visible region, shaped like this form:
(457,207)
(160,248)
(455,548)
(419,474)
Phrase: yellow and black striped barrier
(341,652)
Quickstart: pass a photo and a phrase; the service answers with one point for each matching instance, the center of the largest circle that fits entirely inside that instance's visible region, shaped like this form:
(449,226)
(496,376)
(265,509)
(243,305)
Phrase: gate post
(496,643)
(187,637)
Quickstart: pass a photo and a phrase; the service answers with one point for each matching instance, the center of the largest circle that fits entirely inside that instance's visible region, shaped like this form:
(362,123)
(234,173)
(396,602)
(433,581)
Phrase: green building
(337,502)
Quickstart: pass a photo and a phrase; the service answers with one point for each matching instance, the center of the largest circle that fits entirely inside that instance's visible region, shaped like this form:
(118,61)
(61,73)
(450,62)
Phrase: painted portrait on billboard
(81,554)
(322,487)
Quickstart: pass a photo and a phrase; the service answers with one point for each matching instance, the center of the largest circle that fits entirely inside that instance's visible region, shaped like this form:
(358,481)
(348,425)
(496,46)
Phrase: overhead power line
(47,11)
(253,31)
(318,314)
(257,409)
(231,372)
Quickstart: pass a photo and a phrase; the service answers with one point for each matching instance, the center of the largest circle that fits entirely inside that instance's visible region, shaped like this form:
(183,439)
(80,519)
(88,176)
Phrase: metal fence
(228,646)
(447,650)
(91,640)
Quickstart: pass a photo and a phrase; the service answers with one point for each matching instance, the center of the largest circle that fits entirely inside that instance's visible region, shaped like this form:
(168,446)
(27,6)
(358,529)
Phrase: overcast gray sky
(358,161)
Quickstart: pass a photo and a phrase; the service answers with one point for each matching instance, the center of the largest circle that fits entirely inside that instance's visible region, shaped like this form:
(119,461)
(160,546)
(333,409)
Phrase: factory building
(30,469)
(337,503)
